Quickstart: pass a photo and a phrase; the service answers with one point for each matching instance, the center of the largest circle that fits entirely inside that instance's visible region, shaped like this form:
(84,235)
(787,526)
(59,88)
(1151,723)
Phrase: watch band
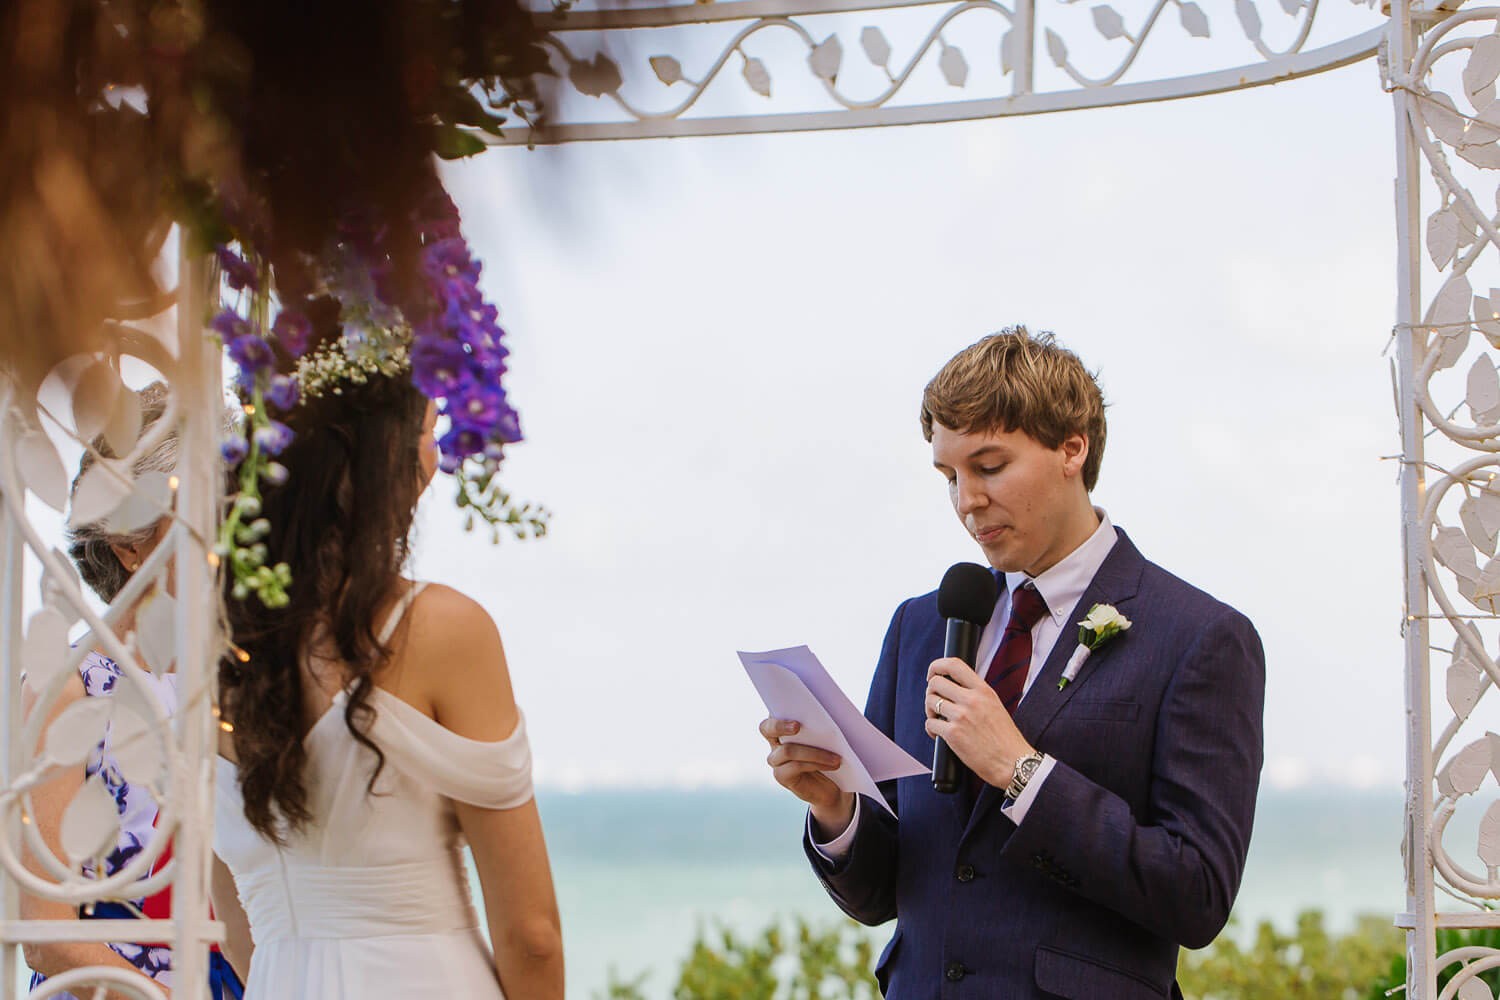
(1024,769)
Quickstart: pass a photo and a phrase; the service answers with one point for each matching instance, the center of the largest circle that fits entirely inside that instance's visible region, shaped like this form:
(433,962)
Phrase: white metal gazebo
(692,69)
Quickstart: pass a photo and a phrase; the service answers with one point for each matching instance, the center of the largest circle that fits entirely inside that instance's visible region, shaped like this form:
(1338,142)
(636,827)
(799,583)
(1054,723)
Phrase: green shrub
(809,963)
(833,962)
(1307,964)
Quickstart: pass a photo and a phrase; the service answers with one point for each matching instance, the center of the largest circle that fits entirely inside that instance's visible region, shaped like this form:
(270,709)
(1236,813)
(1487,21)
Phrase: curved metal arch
(1293,67)
(600,76)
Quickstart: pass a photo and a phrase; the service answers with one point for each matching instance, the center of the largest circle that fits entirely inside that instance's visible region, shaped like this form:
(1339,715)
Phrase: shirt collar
(1063,585)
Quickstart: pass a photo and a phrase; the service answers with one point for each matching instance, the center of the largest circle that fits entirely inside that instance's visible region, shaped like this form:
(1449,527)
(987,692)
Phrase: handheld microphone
(966,598)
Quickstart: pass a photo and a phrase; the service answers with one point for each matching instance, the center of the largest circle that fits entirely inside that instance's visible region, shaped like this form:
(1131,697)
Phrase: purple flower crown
(442,332)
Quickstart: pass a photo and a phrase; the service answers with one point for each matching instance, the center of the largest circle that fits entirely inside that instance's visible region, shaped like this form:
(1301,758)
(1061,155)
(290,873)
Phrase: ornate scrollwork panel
(1443,72)
(150,688)
(753,66)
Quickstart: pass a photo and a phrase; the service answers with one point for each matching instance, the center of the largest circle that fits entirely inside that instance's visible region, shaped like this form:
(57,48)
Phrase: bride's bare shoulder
(461,663)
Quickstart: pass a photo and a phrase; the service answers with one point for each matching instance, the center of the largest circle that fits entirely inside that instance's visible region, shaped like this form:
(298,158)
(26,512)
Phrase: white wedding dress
(371,899)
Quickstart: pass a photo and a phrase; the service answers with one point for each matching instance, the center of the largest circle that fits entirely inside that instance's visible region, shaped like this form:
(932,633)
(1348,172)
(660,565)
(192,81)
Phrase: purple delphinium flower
(461,441)
(508,426)
(283,392)
(273,438)
(250,352)
(234,450)
(293,331)
(228,324)
(437,363)
(238,271)
(457,354)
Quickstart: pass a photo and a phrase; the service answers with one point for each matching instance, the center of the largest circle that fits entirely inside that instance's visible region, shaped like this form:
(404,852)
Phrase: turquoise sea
(638,872)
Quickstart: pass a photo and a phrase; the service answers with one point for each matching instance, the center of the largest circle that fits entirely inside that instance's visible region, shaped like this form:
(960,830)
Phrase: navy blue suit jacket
(1133,846)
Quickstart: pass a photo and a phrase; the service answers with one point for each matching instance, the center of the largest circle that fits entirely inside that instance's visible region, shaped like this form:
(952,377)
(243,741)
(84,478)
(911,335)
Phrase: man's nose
(970,496)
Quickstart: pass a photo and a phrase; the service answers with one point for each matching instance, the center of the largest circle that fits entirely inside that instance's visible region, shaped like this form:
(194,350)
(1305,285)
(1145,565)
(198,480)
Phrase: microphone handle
(948,772)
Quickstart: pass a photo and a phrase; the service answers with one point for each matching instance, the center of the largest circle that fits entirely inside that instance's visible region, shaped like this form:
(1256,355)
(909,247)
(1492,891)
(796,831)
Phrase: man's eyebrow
(987,449)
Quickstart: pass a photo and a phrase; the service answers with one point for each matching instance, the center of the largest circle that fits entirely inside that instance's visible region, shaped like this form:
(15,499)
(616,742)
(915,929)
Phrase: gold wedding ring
(937,708)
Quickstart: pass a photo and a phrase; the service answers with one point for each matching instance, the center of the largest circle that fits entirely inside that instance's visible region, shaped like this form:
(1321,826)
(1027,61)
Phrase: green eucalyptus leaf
(453,143)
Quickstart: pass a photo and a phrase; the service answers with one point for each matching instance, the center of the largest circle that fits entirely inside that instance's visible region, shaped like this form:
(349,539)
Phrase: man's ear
(1075,451)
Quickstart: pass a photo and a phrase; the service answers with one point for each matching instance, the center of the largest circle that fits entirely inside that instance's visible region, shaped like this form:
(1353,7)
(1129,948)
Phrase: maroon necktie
(1012,660)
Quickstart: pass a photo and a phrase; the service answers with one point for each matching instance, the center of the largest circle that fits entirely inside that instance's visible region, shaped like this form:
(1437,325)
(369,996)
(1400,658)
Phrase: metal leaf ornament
(1194,21)
(667,69)
(596,77)
(825,59)
(91,822)
(1464,683)
(1465,772)
(46,647)
(1442,237)
(42,469)
(757,76)
(1008,44)
(94,397)
(1479,533)
(1249,17)
(1109,22)
(155,627)
(877,49)
(124,426)
(1489,836)
(77,732)
(954,66)
(1476,988)
(101,489)
(1452,548)
(1443,119)
(1482,68)
(1483,396)
(1057,48)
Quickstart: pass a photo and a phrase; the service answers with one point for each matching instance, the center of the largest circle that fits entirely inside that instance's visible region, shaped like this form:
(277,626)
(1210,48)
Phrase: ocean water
(639,872)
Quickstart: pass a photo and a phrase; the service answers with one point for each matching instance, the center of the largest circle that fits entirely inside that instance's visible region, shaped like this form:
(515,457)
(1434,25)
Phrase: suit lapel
(1116,583)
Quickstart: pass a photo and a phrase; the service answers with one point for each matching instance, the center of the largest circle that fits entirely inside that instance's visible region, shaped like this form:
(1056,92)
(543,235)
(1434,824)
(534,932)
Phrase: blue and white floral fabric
(138,809)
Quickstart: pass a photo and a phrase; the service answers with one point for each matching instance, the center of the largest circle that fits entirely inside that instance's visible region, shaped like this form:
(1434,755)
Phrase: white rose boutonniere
(1102,624)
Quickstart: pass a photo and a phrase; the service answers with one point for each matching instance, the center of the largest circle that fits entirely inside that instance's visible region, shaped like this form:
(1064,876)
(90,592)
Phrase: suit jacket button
(966,873)
(956,971)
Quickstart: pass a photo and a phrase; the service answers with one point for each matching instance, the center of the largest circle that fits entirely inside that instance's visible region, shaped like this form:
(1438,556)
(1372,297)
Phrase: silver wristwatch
(1025,768)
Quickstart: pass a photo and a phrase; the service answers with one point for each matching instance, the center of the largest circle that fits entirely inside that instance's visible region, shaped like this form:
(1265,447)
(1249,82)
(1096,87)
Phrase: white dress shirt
(1062,588)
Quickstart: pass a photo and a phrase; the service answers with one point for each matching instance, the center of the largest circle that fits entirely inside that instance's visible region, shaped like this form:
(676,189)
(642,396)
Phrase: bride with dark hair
(370,731)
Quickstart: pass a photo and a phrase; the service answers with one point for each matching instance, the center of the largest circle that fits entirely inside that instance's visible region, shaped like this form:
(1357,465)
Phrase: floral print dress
(138,810)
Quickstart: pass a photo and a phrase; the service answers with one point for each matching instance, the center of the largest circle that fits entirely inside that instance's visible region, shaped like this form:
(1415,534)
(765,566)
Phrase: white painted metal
(1441,67)
(582,41)
(174,754)
(1419,37)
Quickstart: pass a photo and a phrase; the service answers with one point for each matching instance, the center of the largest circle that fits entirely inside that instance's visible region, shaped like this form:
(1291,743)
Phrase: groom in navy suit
(1114,790)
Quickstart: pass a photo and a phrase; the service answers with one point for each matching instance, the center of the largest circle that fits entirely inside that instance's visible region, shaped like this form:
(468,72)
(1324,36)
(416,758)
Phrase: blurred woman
(106,560)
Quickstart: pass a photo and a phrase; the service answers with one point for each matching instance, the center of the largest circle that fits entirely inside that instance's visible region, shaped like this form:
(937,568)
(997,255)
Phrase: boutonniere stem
(1102,624)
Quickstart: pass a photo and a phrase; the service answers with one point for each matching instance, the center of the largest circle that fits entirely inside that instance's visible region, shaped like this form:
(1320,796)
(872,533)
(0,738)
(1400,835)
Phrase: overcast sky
(720,347)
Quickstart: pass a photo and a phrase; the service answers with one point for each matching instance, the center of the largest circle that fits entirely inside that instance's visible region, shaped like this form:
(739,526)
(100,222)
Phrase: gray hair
(90,545)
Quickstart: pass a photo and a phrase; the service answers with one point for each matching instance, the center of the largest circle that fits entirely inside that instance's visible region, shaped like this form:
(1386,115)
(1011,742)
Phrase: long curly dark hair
(342,522)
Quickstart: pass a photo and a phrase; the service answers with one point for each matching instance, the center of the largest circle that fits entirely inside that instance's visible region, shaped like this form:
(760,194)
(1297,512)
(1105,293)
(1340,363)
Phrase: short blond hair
(1013,381)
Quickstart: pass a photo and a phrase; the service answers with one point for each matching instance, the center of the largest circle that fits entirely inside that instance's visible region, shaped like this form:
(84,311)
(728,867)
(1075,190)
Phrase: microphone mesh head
(968,592)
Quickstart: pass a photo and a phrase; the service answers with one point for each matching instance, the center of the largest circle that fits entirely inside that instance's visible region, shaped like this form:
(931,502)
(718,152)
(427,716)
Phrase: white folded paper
(794,685)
